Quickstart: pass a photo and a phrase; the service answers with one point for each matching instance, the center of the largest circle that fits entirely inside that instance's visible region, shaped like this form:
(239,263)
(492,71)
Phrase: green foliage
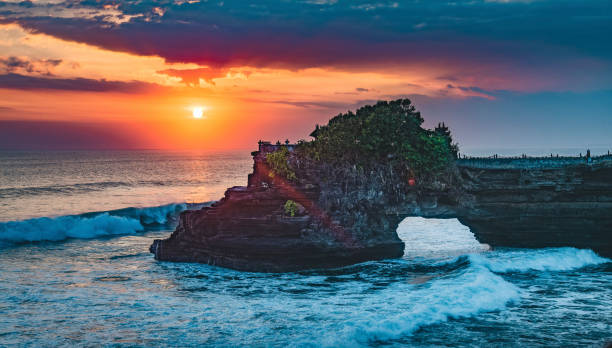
(382,133)
(315,132)
(279,163)
(443,130)
(291,208)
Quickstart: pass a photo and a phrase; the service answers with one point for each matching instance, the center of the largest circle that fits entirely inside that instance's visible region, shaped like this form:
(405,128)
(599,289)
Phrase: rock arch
(353,216)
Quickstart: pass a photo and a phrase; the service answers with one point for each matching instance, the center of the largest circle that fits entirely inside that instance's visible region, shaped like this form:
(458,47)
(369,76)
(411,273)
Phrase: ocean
(75,228)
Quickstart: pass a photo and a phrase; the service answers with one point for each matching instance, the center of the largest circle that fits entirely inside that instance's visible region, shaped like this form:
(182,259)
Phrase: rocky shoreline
(344,215)
(541,205)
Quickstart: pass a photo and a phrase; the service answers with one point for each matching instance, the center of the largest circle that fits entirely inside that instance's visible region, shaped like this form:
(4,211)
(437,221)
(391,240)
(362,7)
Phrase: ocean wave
(14,192)
(392,269)
(549,259)
(159,215)
(459,295)
(462,287)
(92,225)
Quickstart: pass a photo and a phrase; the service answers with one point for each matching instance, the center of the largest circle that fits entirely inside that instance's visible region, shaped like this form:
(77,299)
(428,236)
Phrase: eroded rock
(348,216)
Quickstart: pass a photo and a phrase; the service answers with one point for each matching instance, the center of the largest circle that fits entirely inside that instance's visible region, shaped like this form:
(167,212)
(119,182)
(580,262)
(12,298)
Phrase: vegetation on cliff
(291,208)
(279,164)
(387,132)
(443,130)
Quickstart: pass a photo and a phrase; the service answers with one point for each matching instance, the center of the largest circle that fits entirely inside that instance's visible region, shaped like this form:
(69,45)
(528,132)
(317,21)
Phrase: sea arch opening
(436,237)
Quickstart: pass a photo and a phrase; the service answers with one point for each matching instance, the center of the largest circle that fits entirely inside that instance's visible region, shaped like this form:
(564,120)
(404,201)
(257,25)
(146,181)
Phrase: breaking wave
(549,259)
(476,290)
(92,225)
(470,286)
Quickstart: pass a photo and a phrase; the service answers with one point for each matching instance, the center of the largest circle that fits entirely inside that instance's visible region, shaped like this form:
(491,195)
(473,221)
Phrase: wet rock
(346,216)
(542,206)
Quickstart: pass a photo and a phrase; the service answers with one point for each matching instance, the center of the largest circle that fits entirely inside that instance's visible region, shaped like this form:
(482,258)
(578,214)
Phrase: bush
(279,164)
(388,132)
(291,208)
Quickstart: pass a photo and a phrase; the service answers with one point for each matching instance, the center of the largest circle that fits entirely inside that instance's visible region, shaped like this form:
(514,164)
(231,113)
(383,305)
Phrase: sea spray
(158,215)
(549,259)
(75,286)
(91,225)
(465,290)
(466,294)
(63,227)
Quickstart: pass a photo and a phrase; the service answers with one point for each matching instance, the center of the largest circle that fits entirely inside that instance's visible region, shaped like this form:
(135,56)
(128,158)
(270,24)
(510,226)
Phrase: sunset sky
(127,75)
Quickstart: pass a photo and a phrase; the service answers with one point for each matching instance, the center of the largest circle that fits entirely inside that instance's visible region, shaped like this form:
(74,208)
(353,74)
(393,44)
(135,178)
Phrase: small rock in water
(112,279)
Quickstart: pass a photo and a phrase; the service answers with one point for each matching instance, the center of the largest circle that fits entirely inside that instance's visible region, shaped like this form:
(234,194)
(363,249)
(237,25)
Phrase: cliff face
(540,205)
(248,229)
(347,215)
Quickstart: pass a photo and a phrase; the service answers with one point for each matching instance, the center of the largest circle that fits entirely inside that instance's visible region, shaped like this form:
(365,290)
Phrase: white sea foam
(446,237)
(372,304)
(54,229)
(550,259)
(90,225)
(401,309)
(154,215)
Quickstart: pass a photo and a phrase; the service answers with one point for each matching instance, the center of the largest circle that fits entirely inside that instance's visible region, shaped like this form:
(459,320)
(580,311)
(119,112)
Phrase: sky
(502,74)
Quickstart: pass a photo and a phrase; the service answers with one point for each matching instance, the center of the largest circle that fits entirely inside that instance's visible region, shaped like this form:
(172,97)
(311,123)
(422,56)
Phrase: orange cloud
(192,77)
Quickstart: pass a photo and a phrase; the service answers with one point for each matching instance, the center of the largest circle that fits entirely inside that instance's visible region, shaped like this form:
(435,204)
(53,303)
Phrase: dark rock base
(255,257)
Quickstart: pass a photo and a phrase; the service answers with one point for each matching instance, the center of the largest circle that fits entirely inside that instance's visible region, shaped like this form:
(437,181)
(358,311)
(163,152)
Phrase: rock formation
(535,203)
(249,229)
(347,214)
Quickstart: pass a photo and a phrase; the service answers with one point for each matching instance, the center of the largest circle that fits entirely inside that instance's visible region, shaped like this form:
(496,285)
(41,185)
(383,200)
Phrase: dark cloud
(13,63)
(340,33)
(359,89)
(476,90)
(331,106)
(308,104)
(40,66)
(22,82)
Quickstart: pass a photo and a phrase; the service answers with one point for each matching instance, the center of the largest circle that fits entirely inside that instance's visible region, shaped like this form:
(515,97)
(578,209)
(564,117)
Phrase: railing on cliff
(525,161)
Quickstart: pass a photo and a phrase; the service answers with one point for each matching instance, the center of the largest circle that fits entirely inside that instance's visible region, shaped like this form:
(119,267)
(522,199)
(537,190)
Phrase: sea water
(75,228)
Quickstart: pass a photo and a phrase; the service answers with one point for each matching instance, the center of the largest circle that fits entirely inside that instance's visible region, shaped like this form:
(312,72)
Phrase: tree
(442,130)
(384,132)
(315,132)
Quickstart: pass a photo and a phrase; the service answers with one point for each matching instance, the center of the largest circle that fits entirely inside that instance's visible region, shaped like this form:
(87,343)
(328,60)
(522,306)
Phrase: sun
(198,111)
